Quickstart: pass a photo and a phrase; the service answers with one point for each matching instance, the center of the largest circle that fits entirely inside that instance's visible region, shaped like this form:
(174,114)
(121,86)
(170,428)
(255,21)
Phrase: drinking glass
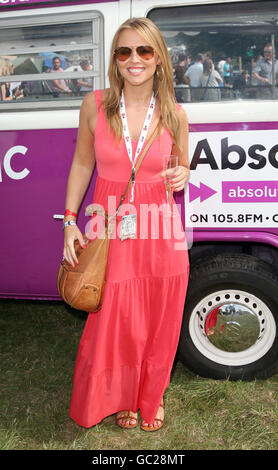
(170,163)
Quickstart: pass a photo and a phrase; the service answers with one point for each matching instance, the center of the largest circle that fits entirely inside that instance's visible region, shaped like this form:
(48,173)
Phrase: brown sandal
(128,417)
(146,427)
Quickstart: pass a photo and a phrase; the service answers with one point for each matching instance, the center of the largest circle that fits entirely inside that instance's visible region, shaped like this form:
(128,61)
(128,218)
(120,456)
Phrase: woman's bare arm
(80,173)
(4,95)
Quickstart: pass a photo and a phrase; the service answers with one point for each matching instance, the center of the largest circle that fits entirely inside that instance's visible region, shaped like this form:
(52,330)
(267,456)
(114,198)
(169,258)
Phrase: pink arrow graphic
(204,192)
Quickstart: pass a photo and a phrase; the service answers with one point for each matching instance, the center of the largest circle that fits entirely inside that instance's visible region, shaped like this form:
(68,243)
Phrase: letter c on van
(15,175)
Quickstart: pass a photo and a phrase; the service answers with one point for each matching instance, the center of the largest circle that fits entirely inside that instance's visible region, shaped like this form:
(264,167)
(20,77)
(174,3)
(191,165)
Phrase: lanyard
(142,137)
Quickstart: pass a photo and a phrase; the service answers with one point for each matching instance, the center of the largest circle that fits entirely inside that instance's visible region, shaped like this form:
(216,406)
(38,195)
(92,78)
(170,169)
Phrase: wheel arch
(262,251)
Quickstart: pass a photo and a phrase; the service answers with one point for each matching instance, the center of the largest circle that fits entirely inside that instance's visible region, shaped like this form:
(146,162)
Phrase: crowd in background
(202,79)
(58,87)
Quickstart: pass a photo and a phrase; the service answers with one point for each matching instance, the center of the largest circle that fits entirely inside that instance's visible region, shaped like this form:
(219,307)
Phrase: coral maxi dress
(127,348)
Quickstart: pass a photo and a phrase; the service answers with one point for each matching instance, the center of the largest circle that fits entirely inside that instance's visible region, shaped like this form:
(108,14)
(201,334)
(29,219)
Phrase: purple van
(230,205)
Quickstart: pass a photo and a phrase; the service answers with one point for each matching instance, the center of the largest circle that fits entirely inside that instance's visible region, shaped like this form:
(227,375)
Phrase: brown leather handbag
(82,287)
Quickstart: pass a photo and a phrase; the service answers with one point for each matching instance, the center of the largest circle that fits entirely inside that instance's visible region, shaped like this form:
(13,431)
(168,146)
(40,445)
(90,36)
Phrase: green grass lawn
(38,345)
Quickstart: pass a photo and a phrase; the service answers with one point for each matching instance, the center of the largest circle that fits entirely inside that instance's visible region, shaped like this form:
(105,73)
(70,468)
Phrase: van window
(222,52)
(49,58)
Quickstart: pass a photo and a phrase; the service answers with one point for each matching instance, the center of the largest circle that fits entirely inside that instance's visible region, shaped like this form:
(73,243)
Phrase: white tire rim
(244,332)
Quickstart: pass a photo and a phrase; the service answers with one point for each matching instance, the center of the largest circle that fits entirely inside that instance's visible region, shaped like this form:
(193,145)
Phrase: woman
(210,80)
(182,85)
(10,91)
(6,92)
(127,348)
(6,69)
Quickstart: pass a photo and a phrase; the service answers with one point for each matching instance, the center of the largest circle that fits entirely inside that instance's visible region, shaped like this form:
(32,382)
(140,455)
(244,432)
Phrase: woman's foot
(127,419)
(158,421)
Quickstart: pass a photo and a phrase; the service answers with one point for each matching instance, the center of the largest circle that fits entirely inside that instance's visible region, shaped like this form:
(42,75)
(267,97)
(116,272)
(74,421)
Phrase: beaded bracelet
(69,222)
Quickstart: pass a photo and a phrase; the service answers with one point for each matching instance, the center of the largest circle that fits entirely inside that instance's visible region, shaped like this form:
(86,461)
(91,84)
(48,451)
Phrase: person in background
(182,64)
(207,55)
(239,85)
(210,81)
(220,66)
(262,72)
(182,86)
(59,85)
(6,93)
(194,73)
(85,84)
(227,72)
(10,90)
(181,81)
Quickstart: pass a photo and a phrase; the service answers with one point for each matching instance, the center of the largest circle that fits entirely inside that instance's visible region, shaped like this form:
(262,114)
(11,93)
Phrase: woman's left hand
(177,178)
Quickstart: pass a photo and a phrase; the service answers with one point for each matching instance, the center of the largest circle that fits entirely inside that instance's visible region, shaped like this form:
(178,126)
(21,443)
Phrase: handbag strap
(138,164)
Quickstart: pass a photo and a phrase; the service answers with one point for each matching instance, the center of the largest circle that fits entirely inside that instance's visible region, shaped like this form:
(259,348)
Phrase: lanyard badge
(142,137)
(129,222)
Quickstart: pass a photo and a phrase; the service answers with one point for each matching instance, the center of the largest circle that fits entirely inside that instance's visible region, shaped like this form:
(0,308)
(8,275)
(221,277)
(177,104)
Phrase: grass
(37,352)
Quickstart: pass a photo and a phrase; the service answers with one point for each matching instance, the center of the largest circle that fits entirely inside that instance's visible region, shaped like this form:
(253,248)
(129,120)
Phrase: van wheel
(230,318)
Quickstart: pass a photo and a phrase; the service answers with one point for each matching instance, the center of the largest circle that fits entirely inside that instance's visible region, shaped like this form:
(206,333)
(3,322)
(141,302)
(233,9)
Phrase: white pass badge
(128,226)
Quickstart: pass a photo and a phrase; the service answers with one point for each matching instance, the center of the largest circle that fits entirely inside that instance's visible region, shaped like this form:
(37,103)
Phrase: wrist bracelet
(68,212)
(69,222)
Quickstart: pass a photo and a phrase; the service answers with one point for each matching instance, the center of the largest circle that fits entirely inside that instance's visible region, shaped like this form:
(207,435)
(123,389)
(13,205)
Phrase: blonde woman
(9,91)
(127,348)
(6,70)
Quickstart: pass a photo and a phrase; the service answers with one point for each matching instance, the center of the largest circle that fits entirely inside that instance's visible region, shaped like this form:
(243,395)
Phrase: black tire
(236,281)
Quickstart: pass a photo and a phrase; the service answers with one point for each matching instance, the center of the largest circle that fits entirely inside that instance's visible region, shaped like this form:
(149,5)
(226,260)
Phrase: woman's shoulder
(100,94)
(92,106)
(89,105)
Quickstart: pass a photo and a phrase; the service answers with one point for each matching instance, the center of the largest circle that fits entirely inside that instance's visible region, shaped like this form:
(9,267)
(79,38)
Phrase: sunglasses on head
(124,52)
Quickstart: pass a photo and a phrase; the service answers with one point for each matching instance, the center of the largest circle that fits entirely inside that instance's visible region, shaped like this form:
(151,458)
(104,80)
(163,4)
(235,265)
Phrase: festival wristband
(69,222)
(68,212)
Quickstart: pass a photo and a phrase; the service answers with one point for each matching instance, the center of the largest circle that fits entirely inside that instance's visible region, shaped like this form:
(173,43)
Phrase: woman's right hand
(72,233)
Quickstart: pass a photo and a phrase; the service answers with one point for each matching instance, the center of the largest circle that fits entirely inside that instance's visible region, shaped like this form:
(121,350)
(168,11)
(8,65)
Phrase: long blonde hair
(163,86)
(6,67)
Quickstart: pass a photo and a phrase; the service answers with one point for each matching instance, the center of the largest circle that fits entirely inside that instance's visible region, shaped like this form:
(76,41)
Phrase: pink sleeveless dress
(127,348)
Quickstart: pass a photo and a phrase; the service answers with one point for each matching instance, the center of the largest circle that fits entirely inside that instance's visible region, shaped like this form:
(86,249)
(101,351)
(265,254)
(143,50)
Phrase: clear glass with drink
(170,163)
